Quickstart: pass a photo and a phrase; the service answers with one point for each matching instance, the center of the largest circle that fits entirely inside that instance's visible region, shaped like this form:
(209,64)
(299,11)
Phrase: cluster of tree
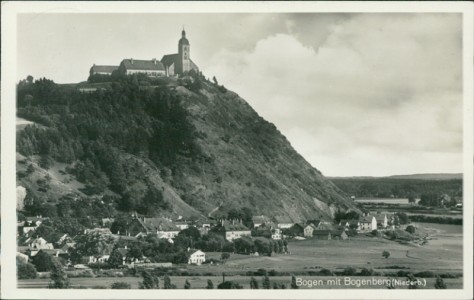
(345,215)
(94,130)
(434,219)
(398,188)
(261,245)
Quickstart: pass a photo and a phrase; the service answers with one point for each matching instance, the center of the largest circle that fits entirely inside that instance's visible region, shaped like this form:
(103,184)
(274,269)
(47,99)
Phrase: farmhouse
(162,227)
(195,256)
(283,222)
(339,234)
(382,220)
(40,243)
(234,230)
(296,230)
(259,220)
(350,224)
(368,223)
(308,230)
(276,234)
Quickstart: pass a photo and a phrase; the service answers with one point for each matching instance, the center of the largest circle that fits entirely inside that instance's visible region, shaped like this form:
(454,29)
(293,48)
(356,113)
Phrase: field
(442,254)
(201,282)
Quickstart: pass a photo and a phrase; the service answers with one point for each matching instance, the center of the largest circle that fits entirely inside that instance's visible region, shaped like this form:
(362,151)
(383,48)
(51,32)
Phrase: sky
(355,94)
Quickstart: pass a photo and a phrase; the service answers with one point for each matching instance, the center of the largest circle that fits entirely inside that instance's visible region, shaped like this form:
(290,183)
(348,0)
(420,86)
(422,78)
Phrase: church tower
(184,54)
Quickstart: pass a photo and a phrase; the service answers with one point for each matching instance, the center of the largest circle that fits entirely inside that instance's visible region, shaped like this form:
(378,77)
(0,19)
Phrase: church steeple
(184,53)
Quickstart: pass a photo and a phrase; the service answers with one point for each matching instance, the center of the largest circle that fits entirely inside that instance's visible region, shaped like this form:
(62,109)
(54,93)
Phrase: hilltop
(161,147)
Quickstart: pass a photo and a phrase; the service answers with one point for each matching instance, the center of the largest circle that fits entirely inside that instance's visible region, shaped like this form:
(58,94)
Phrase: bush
(366,272)
(349,271)
(426,274)
(26,271)
(326,272)
(386,254)
(229,285)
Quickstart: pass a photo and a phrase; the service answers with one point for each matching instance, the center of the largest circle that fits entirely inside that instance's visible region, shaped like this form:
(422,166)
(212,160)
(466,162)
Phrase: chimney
(154,60)
(131,61)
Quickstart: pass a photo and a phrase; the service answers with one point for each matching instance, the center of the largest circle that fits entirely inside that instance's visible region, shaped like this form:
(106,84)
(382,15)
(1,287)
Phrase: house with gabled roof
(195,256)
(339,234)
(382,220)
(163,228)
(368,223)
(102,70)
(234,230)
(260,220)
(308,230)
(283,222)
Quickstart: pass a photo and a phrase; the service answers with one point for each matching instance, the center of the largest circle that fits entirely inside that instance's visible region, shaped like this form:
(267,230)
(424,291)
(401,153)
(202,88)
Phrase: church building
(170,65)
(179,63)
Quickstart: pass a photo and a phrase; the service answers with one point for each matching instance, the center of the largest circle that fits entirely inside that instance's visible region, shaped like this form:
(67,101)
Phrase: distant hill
(182,147)
(422,176)
(428,176)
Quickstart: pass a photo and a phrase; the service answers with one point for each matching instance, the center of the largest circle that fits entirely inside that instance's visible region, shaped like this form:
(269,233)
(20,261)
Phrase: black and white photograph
(310,147)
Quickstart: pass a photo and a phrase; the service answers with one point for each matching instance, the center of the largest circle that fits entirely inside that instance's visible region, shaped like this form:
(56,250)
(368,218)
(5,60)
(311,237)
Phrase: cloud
(370,91)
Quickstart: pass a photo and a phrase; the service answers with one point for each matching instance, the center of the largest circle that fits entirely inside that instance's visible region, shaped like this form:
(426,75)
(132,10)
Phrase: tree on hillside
(386,254)
(413,282)
(293,282)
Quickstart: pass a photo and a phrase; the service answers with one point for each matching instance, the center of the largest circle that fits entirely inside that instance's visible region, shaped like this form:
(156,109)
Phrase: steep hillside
(186,147)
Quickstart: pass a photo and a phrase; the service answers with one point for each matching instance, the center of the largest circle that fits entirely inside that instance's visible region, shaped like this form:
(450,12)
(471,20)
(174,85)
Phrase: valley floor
(442,254)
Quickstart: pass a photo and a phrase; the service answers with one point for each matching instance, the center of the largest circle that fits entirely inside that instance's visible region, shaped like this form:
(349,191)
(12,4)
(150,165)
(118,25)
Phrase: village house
(382,221)
(162,227)
(308,230)
(350,224)
(234,230)
(276,234)
(100,231)
(181,225)
(259,220)
(107,222)
(40,243)
(339,235)
(102,70)
(31,223)
(368,223)
(195,256)
(283,222)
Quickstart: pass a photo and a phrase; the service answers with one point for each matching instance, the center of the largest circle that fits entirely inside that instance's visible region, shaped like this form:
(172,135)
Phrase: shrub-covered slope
(184,147)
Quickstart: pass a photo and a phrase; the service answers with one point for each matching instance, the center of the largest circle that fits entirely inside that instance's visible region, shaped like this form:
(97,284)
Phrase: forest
(94,132)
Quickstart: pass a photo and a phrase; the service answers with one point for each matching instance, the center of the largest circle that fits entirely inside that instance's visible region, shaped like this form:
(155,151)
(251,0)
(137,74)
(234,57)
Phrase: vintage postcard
(287,150)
